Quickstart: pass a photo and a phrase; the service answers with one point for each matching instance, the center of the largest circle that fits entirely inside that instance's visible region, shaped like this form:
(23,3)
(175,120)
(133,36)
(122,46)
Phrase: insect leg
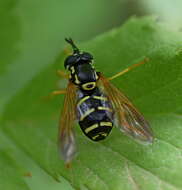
(54,93)
(58,92)
(128,69)
(62,74)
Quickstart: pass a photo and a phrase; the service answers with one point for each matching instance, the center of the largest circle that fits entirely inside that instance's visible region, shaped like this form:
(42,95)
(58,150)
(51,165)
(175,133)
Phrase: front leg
(58,92)
(62,74)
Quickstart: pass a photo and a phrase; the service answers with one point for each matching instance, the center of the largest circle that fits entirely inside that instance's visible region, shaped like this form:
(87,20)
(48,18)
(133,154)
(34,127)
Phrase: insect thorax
(84,76)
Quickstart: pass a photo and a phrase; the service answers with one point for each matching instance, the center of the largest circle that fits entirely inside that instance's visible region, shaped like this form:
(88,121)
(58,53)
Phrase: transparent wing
(66,136)
(130,120)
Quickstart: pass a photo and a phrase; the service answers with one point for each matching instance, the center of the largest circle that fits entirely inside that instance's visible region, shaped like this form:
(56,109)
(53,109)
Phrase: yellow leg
(62,74)
(58,92)
(128,69)
(54,93)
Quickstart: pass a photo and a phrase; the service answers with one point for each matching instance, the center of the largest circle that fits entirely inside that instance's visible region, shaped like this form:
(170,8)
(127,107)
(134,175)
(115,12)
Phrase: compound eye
(69,61)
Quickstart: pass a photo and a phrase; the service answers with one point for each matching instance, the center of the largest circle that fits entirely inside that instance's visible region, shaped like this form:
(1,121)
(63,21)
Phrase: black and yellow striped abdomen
(95,114)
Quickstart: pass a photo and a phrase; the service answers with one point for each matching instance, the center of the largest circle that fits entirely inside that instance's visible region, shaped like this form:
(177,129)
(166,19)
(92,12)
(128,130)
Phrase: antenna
(75,49)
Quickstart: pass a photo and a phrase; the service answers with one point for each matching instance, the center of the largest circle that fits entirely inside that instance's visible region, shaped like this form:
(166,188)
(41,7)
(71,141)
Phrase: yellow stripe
(72,70)
(85,86)
(104,108)
(100,98)
(104,134)
(106,124)
(95,137)
(82,100)
(87,113)
(91,128)
(76,79)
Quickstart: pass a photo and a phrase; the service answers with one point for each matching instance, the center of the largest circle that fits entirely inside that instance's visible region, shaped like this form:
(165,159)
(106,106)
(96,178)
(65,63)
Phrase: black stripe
(88,121)
(95,117)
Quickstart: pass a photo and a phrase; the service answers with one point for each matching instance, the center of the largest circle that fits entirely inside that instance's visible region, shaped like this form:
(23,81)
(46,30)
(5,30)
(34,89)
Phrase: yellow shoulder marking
(89,85)
(76,79)
(72,70)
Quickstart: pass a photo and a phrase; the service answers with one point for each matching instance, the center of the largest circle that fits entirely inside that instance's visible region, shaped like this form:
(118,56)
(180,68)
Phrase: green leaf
(28,142)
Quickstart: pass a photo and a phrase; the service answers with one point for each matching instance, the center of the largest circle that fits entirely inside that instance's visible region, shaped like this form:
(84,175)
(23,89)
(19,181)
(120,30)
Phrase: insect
(96,104)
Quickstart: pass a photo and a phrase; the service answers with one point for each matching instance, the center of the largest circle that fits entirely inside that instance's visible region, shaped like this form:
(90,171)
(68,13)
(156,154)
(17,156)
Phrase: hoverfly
(95,103)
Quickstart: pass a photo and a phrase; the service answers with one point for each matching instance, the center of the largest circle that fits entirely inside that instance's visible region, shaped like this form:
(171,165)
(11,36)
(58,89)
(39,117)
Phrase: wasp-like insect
(96,104)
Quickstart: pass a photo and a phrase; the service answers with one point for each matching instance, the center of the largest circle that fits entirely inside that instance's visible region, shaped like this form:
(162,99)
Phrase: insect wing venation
(130,120)
(66,136)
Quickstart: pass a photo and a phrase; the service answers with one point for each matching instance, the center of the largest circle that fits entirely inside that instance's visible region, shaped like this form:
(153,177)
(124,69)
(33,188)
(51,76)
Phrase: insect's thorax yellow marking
(72,70)
(96,76)
(89,85)
(76,79)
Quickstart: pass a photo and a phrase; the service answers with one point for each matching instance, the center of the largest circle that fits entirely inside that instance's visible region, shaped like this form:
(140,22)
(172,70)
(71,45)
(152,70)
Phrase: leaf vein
(144,169)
